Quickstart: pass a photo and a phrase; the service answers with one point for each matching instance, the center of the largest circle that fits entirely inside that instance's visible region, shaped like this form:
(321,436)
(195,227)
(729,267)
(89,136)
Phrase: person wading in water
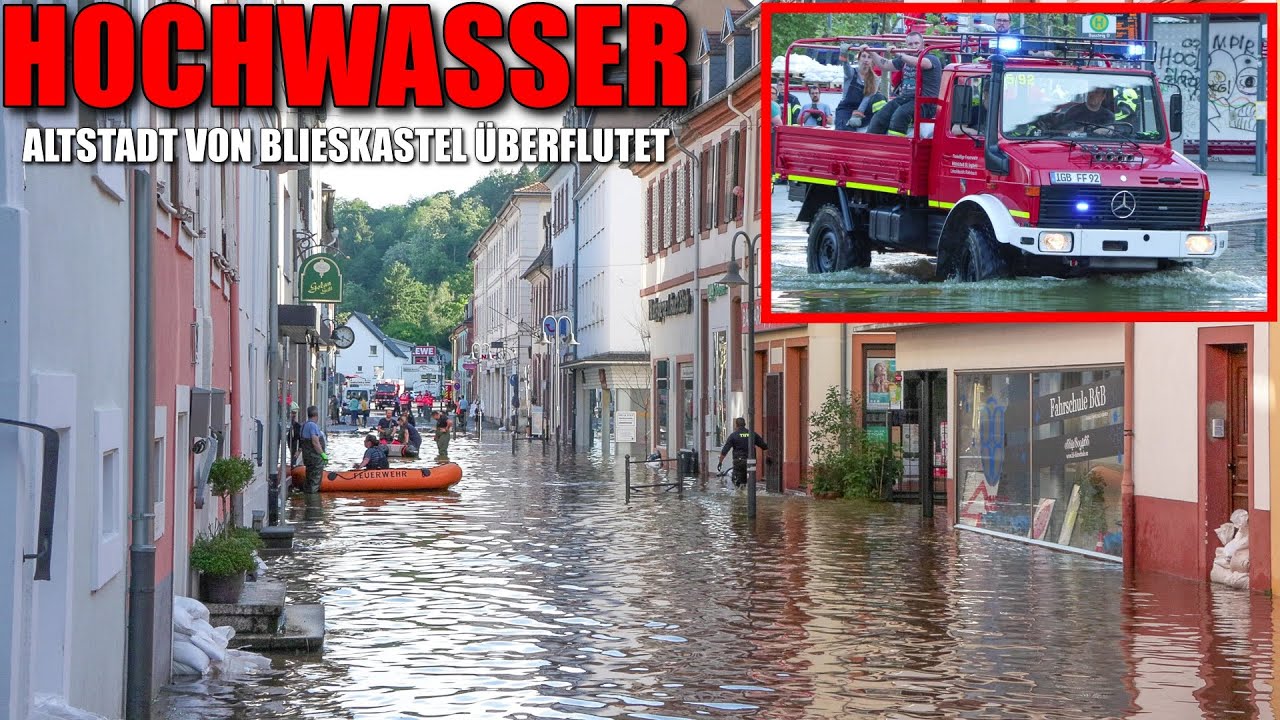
(740,441)
(443,426)
(314,447)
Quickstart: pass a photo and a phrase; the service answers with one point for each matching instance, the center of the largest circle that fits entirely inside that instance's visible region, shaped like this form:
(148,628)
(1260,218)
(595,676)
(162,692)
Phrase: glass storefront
(661,400)
(720,387)
(1038,455)
(687,425)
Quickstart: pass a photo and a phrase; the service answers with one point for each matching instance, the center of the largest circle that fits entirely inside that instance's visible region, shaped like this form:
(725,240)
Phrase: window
(1046,463)
(755,45)
(109,520)
(652,230)
(359,368)
(159,463)
(373,351)
(682,203)
(669,213)
(661,398)
(971,119)
(721,192)
(663,241)
(733,201)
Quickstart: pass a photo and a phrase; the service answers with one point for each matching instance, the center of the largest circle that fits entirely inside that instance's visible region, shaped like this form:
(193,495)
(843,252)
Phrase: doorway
(922,439)
(773,419)
(1224,437)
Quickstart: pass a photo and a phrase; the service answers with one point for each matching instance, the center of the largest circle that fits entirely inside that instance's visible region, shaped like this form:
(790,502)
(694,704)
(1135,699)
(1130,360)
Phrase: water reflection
(530,593)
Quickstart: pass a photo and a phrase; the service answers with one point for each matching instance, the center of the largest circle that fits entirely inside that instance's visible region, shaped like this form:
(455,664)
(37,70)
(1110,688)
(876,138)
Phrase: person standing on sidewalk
(463,406)
(353,409)
(364,411)
(443,427)
(740,442)
(314,447)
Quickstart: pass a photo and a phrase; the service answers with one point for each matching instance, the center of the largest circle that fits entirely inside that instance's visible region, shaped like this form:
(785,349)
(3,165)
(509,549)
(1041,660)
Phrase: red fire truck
(1049,196)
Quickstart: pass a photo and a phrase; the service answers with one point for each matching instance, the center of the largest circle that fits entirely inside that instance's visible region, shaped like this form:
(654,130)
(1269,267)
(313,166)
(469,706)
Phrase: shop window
(662,396)
(719,391)
(1078,440)
(1038,455)
(687,401)
(993,448)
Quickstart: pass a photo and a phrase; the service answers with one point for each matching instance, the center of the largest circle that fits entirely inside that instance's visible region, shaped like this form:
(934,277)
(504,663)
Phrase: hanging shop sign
(676,303)
(320,280)
(717,290)
(424,354)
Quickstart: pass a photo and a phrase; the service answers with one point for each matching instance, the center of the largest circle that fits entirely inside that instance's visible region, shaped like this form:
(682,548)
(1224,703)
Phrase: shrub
(847,462)
(223,553)
(228,476)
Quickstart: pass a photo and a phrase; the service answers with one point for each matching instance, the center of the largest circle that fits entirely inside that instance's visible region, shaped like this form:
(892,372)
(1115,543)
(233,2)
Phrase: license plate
(1075,178)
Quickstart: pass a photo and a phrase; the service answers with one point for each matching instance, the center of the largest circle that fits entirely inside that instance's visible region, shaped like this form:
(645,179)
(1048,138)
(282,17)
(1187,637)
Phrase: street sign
(468,366)
(624,424)
(549,327)
(1098,25)
(320,280)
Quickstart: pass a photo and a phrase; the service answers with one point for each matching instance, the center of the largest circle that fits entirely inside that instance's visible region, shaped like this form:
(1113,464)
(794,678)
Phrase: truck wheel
(831,249)
(981,257)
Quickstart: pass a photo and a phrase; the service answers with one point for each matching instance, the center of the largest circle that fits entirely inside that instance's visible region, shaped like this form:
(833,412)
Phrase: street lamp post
(559,327)
(734,279)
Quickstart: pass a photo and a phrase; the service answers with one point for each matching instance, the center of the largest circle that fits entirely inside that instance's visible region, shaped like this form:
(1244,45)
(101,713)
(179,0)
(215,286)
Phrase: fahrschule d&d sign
(676,303)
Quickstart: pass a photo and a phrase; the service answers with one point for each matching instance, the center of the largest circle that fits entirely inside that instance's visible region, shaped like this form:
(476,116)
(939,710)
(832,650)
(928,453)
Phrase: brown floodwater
(531,592)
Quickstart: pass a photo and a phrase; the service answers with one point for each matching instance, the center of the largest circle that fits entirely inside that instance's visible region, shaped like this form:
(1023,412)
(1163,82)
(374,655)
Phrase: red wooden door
(1238,428)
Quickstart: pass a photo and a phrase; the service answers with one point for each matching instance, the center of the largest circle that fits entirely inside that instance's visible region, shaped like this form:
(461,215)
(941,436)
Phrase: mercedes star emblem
(1123,204)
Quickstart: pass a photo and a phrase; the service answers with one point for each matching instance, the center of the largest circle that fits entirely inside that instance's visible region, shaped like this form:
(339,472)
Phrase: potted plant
(222,559)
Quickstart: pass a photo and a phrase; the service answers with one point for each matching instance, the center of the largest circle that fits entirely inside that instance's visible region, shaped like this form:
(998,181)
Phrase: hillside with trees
(406,266)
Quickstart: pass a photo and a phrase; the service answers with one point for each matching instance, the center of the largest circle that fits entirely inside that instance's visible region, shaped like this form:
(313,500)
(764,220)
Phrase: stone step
(303,630)
(277,537)
(259,610)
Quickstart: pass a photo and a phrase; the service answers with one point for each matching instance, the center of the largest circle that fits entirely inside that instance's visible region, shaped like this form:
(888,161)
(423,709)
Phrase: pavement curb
(1238,218)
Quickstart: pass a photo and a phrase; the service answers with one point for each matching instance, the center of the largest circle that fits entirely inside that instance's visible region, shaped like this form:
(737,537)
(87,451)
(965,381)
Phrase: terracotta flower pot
(221,589)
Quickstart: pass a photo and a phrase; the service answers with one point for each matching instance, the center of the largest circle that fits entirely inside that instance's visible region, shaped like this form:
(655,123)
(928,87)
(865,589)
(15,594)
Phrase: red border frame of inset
(769,9)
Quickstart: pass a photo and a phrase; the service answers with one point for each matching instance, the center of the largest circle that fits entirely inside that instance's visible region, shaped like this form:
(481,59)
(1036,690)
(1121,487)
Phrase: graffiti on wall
(1234,58)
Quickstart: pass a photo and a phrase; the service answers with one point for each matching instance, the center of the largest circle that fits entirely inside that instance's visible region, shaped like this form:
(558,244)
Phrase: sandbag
(1225,532)
(1237,580)
(240,663)
(54,707)
(194,608)
(202,627)
(184,670)
(215,648)
(226,631)
(188,654)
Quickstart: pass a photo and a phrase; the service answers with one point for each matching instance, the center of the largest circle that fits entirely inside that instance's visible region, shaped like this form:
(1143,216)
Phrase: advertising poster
(884,384)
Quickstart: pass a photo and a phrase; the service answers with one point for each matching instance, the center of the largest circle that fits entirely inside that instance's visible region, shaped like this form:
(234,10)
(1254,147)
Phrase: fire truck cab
(1042,156)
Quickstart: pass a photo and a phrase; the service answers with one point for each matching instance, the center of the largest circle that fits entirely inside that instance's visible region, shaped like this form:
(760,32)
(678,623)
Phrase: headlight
(1055,242)
(1200,244)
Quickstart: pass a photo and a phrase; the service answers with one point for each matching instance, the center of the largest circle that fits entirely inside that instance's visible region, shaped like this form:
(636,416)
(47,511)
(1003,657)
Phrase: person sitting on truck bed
(852,93)
(872,98)
(897,114)
(817,113)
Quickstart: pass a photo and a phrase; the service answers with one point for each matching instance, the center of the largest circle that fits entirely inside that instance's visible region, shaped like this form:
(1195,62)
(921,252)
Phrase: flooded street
(904,282)
(531,593)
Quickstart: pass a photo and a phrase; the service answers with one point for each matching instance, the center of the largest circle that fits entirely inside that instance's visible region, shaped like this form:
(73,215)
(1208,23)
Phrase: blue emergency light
(1008,44)
(1137,50)
(1082,206)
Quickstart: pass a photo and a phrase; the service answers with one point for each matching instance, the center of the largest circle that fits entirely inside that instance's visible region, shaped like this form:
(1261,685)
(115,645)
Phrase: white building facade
(612,358)
(504,329)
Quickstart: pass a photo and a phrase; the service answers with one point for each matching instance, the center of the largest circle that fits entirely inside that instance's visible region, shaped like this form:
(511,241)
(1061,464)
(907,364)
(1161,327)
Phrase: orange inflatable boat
(439,477)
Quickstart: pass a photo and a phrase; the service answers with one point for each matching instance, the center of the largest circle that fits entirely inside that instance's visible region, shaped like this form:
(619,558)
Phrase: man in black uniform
(1090,116)
(740,441)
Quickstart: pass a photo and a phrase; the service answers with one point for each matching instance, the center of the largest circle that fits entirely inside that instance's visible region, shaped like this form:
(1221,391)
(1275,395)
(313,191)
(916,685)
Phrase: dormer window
(755,46)
(729,56)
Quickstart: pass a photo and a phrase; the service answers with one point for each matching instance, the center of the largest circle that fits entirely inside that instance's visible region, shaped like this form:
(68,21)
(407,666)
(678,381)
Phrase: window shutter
(648,230)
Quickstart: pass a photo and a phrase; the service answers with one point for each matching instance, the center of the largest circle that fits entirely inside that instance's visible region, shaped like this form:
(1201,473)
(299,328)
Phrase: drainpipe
(142,551)
(1128,511)
(751,287)
(844,360)
(697,295)
(273,346)
(573,386)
